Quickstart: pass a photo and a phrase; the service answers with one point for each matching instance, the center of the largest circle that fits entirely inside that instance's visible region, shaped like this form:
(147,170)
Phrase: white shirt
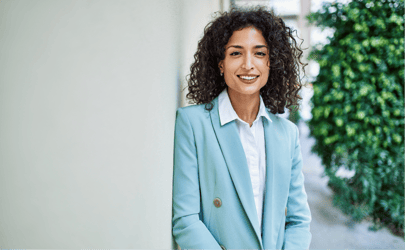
(253,143)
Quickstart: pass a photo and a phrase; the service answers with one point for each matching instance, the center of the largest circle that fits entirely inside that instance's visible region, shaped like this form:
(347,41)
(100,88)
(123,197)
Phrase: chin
(249,91)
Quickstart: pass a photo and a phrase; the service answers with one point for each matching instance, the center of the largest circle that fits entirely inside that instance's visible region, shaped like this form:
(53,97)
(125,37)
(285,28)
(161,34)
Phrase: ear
(221,66)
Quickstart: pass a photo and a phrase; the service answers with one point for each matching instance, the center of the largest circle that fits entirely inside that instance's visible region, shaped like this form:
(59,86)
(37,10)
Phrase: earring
(222,74)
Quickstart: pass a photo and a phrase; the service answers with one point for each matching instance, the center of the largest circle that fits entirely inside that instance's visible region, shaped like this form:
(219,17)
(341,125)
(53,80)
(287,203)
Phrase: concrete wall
(88,93)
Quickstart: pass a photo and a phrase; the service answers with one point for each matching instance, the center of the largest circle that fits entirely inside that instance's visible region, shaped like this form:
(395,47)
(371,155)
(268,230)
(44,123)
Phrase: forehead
(247,36)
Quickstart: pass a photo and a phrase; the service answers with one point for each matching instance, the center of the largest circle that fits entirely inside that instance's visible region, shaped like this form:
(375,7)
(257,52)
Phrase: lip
(247,75)
(248,81)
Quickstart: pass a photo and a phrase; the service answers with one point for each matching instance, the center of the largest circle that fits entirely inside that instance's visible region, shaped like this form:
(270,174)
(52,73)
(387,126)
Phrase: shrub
(358,107)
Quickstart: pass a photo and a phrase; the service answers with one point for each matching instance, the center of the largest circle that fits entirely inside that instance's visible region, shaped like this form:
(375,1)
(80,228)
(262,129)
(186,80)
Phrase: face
(246,64)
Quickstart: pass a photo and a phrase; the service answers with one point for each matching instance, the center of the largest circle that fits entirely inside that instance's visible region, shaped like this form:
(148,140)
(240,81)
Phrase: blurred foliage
(294,115)
(358,107)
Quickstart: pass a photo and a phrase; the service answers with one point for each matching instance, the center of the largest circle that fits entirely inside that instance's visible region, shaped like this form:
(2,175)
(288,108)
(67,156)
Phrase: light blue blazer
(210,163)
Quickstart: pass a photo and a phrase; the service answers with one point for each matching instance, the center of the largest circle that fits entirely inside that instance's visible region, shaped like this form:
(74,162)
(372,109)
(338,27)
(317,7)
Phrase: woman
(237,179)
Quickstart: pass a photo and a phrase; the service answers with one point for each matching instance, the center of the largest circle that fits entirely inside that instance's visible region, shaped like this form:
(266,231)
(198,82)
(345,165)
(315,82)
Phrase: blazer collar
(277,181)
(228,114)
(235,158)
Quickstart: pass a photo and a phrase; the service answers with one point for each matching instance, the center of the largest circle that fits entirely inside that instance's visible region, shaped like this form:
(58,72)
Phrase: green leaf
(361,79)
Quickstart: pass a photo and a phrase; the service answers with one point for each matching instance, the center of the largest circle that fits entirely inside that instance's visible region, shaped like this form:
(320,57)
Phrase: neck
(245,106)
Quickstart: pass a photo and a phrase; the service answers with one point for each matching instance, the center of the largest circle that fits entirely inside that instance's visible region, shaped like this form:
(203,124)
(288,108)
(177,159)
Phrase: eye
(260,53)
(235,53)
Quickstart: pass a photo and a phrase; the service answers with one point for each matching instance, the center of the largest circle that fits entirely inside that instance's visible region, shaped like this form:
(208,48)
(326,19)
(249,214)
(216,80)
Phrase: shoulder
(195,114)
(192,108)
(283,123)
(288,128)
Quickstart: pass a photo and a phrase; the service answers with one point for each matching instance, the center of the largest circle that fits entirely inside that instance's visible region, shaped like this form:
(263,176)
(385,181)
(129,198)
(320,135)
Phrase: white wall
(88,93)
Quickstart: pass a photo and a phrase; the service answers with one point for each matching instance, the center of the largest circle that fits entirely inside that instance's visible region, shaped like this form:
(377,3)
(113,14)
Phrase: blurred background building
(88,96)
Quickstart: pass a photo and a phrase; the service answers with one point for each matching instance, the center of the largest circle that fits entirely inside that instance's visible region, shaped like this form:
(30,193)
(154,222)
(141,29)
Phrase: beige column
(87,109)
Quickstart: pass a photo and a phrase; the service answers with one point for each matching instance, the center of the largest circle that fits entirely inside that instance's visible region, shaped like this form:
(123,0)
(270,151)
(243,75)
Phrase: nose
(247,62)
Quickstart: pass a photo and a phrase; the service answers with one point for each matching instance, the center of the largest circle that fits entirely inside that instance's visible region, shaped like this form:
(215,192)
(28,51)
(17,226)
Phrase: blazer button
(222,247)
(217,202)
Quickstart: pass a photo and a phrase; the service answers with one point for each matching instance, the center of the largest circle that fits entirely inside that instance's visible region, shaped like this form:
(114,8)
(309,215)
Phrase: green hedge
(358,107)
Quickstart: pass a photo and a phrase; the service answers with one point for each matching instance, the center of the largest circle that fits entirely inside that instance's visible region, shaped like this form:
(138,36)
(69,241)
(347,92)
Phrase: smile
(249,78)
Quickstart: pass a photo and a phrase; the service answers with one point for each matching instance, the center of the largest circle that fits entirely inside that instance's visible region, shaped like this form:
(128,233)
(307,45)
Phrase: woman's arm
(188,230)
(297,235)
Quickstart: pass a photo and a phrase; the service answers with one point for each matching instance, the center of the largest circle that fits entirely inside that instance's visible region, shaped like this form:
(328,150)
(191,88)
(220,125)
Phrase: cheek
(266,72)
(263,64)
(231,66)
(265,68)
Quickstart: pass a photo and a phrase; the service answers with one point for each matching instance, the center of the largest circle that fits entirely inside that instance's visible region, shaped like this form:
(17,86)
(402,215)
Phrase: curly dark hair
(281,90)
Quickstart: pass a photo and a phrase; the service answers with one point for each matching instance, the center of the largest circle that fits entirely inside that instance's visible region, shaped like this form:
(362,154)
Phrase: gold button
(285,211)
(217,202)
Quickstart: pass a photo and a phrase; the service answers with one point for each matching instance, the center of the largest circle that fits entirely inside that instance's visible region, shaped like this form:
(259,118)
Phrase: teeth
(248,77)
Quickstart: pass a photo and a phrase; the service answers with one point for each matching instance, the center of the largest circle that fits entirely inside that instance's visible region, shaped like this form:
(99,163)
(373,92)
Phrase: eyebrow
(241,47)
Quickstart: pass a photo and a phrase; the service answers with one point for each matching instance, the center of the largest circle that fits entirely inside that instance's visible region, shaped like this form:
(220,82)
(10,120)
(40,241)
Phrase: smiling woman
(237,180)
(206,82)
(246,70)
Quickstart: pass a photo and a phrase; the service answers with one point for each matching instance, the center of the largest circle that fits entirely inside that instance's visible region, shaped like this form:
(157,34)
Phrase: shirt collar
(228,114)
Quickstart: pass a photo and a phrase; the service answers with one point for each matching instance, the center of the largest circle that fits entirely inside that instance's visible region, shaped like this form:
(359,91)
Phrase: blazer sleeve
(188,230)
(297,234)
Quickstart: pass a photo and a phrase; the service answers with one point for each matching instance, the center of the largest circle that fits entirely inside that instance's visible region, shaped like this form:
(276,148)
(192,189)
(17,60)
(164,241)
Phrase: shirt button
(217,202)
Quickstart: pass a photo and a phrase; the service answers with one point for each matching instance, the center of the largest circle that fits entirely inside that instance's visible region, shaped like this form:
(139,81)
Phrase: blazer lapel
(277,181)
(235,159)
